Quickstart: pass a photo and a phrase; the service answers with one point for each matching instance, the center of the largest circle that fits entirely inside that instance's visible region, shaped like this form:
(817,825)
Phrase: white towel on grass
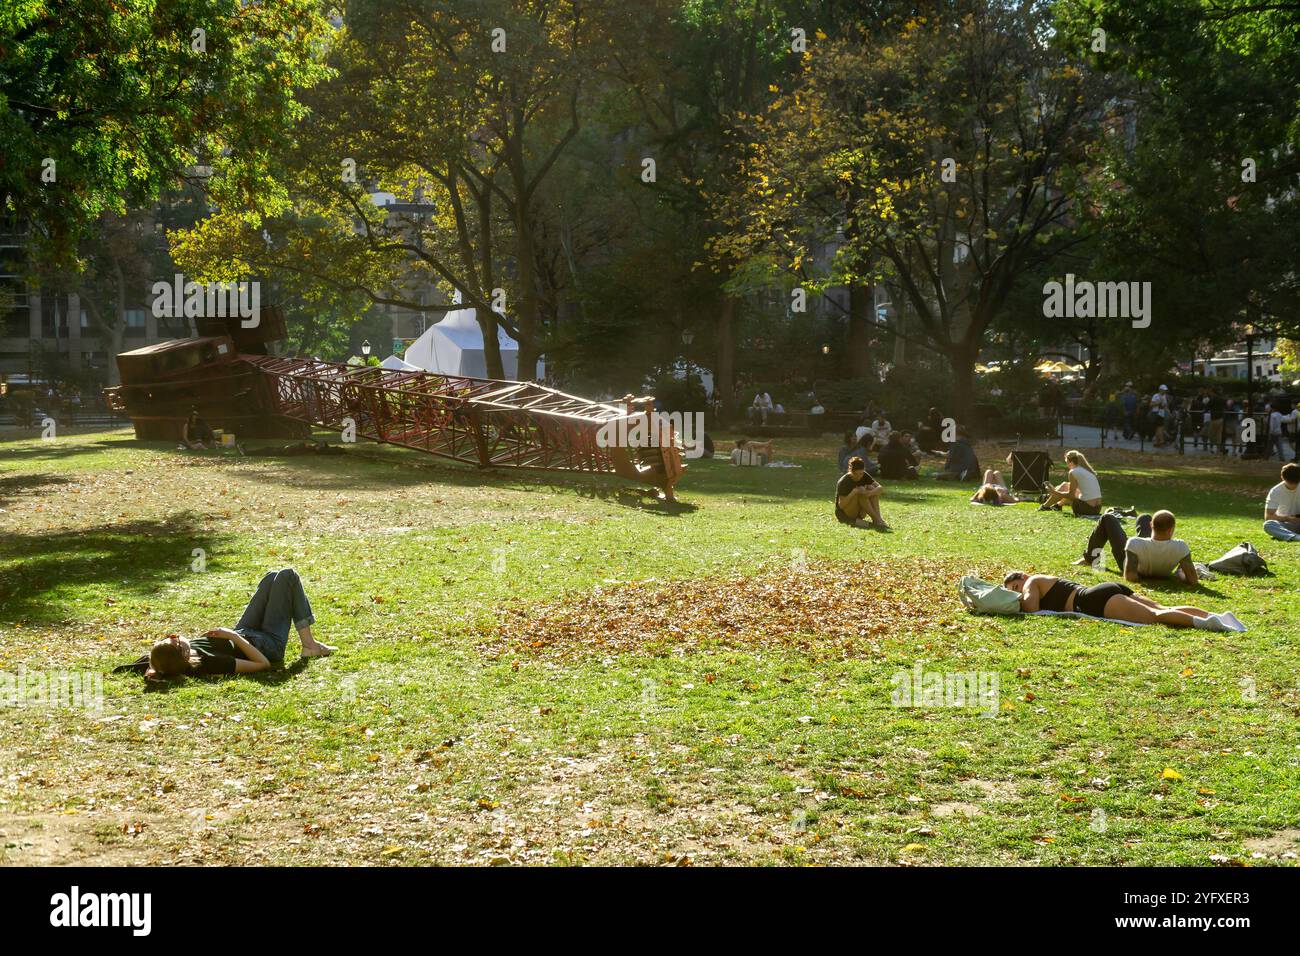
(1214,622)
(1088,616)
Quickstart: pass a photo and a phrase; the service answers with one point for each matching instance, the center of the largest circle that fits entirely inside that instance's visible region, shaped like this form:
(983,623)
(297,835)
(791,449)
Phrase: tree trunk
(724,380)
(962,359)
(119,323)
(862,305)
(526,315)
(528,356)
(487,323)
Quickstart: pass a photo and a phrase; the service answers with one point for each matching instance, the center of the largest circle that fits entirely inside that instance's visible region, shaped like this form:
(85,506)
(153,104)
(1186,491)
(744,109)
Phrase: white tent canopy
(398,365)
(454,346)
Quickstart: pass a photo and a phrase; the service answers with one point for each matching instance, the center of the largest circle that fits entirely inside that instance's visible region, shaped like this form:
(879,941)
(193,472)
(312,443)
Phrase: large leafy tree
(1202,197)
(106,103)
(856,154)
(459,109)
(725,59)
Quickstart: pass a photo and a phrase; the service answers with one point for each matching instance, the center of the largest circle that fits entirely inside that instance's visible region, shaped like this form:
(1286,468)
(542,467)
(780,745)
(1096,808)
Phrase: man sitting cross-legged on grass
(857,494)
(256,643)
(1112,600)
(1160,555)
(961,463)
(1282,508)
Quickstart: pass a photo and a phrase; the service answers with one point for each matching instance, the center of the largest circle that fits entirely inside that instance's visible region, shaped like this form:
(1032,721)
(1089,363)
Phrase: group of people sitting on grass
(1153,552)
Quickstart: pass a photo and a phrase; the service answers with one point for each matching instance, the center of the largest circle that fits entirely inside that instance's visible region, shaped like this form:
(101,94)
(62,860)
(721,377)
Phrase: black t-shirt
(199,430)
(895,460)
(844,487)
(216,655)
(1215,406)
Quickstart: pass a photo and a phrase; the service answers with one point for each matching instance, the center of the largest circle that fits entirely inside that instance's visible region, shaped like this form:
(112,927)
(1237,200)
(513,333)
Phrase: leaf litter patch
(849,606)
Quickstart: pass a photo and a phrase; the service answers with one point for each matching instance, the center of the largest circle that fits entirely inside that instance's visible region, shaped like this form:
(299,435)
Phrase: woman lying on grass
(1113,601)
(256,643)
(994,490)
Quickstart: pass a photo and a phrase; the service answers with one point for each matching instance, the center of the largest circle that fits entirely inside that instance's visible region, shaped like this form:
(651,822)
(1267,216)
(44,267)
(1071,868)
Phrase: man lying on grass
(1112,601)
(256,643)
(857,494)
(1153,553)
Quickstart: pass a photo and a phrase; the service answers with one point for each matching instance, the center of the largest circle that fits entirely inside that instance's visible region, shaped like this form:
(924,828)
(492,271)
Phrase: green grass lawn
(552,669)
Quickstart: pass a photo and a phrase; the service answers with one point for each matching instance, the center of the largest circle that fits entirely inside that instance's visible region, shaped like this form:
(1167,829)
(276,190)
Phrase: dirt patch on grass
(851,607)
(1283,842)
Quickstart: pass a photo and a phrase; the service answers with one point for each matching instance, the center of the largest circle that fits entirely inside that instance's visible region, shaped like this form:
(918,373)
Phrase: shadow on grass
(43,570)
(14,486)
(271,678)
(360,471)
(62,447)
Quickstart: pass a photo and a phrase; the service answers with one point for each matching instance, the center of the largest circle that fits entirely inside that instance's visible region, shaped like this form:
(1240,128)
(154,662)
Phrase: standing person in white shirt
(1274,434)
(1282,507)
(1082,490)
(1160,409)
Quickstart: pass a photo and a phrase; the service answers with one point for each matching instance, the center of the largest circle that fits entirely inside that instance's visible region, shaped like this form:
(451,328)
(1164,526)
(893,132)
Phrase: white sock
(1211,623)
(1232,621)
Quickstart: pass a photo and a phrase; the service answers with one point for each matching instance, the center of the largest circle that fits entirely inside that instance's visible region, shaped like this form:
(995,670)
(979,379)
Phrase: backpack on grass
(981,597)
(1243,559)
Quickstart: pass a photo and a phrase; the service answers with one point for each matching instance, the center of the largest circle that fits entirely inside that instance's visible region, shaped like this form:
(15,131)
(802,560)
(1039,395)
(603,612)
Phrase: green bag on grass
(984,598)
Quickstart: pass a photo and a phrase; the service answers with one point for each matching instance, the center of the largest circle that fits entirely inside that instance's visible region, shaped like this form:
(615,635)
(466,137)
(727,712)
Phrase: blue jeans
(1277,529)
(278,602)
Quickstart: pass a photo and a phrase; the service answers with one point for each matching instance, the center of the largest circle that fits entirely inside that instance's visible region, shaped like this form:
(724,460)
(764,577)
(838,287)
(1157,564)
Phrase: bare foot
(318,650)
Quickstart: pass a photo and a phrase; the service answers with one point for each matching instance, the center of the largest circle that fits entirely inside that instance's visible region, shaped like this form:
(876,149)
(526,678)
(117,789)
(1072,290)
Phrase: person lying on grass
(255,644)
(1112,601)
(857,495)
(1153,553)
(994,490)
(1082,490)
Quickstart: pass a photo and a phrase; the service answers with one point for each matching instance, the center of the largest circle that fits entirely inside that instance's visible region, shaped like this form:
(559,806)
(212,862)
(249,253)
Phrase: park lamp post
(688,336)
(365,348)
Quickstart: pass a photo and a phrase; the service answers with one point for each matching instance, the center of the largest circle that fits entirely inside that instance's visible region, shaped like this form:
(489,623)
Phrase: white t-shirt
(1285,501)
(1157,559)
(1089,486)
(762,400)
(1275,423)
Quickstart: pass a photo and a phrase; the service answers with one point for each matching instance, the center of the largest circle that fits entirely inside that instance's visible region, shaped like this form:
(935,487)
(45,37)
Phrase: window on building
(135,322)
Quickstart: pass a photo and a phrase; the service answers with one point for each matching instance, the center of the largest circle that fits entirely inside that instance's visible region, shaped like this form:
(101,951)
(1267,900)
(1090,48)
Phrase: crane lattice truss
(480,421)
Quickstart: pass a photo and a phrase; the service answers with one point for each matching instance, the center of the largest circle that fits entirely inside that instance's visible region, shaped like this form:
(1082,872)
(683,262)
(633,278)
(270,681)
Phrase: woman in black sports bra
(1112,600)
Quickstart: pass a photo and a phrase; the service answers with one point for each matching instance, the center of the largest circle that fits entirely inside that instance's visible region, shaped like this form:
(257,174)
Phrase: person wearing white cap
(1160,411)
